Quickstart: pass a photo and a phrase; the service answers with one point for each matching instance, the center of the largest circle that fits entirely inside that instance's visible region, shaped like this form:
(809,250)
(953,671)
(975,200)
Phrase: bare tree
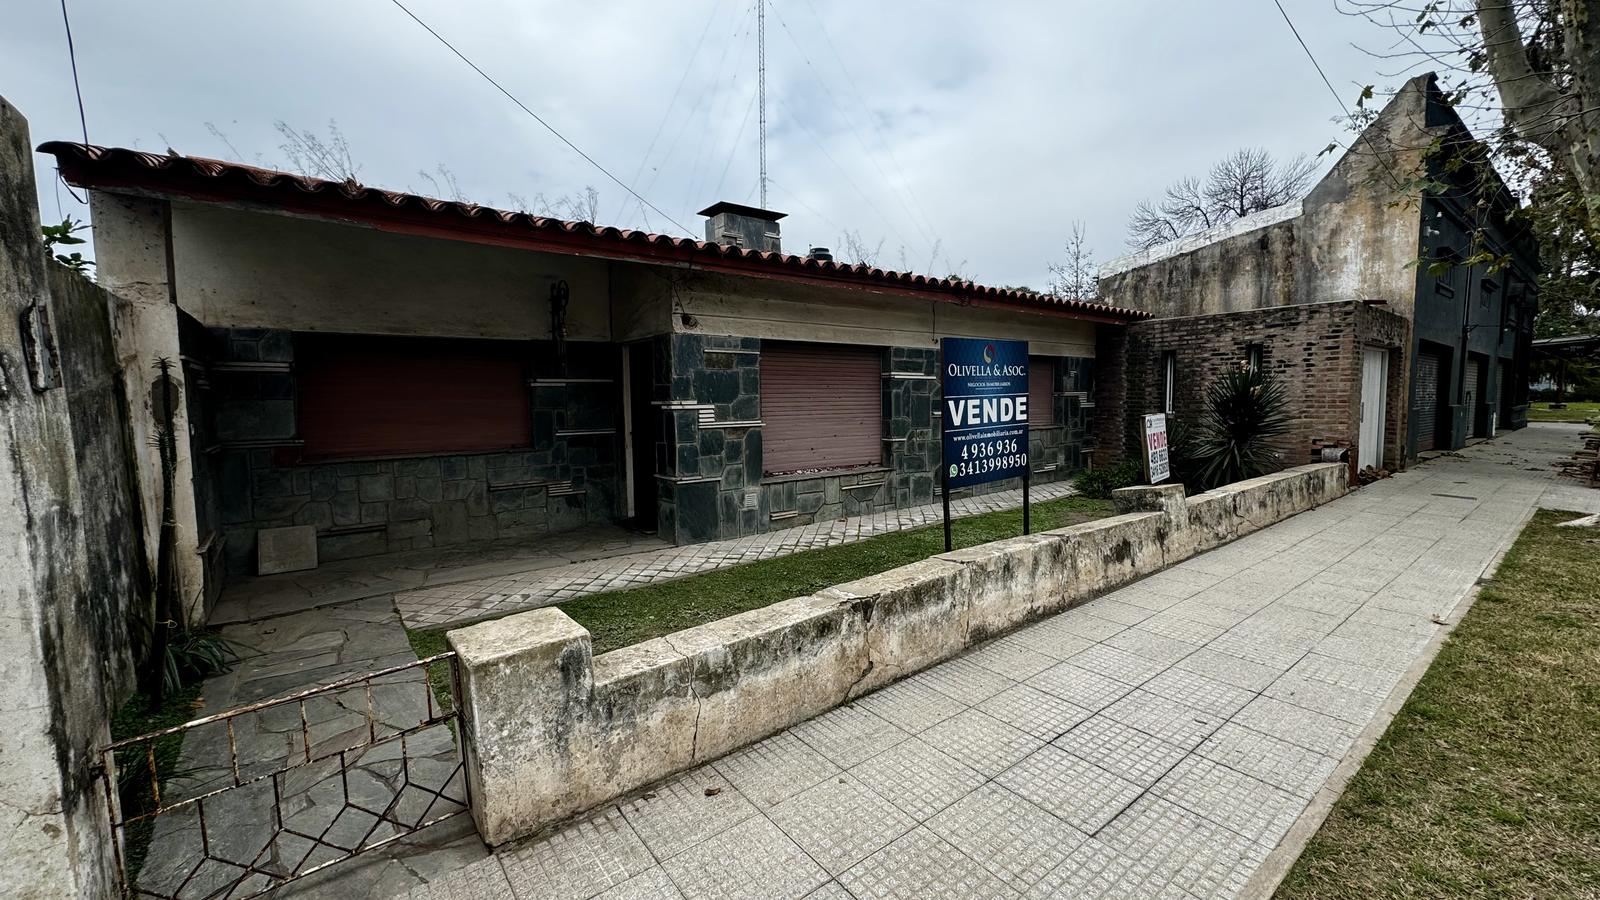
(1075,276)
(444,185)
(312,155)
(1244,182)
(856,250)
(1531,65)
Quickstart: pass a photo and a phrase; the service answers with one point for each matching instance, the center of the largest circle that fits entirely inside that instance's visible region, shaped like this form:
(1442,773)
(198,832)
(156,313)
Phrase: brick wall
(1313,350)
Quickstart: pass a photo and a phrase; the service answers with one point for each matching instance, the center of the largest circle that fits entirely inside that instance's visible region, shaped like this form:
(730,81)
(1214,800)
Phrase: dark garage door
(1430,372)
(821,406)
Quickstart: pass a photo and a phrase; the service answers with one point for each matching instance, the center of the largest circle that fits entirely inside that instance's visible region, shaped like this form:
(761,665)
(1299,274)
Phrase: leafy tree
(1244,182)
(1531,68)
(65,234)
(1525,74)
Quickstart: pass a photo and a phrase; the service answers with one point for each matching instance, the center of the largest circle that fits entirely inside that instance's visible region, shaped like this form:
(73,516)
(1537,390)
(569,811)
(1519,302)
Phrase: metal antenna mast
(761,88)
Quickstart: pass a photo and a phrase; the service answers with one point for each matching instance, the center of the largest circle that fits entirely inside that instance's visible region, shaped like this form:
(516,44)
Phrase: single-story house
(398,372)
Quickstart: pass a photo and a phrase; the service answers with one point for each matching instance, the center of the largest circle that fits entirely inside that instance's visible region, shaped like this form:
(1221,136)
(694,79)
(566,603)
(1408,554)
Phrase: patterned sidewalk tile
(1071,788)
(587,857)
(685,810)
(1016,841)
(918,778)
(840,822)
(922,865)
(753,860)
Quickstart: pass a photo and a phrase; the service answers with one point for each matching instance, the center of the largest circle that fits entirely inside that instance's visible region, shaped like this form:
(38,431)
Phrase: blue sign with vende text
(985,416)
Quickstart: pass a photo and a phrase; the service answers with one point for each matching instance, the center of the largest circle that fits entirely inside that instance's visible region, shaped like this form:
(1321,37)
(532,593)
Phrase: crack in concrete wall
(546,743)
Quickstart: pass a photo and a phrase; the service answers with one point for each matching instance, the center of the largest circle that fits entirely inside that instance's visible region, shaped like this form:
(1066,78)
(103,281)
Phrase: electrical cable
(536,117)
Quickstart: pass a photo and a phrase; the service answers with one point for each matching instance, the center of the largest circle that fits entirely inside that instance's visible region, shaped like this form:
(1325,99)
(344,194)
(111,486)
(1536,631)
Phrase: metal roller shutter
(1041,391)
(383,396)
(1474,387)
(821,406)
(1429,368)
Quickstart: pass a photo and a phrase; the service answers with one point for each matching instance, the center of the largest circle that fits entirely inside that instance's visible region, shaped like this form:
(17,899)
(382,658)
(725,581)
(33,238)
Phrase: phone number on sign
(988,464)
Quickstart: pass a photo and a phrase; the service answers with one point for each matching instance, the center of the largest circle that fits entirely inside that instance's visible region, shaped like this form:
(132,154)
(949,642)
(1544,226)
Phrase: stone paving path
(1156,742)
(445,604)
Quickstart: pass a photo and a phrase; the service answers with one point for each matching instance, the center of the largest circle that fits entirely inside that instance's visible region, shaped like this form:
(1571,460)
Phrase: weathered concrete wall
(552,730)
(62,646)
(243,269)
(1355,236)
(134,266)
(778,310)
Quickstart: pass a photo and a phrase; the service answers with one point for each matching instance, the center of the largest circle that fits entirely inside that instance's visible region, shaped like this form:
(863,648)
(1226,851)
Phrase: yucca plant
(1245,410)
(194,656)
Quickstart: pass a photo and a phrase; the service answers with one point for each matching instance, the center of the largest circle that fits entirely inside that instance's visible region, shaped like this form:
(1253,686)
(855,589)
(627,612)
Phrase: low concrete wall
(552,731)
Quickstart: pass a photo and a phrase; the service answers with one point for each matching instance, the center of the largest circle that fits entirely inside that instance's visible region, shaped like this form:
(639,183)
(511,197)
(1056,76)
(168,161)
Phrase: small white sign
(1157,464)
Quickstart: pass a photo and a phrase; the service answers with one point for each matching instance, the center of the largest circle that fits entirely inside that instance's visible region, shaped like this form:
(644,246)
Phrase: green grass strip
(1487,784)
(623,618)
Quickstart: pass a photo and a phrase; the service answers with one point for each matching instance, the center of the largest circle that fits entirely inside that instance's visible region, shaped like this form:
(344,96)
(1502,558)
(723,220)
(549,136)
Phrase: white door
(1374,391)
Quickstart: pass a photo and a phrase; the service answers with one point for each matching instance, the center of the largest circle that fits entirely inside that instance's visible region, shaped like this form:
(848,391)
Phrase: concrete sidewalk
(1158,742)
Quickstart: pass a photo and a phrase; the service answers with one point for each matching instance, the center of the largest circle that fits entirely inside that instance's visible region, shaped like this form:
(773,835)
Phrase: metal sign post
(984,424)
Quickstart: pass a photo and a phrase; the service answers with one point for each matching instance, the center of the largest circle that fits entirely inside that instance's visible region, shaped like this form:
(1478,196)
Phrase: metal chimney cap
(754,212)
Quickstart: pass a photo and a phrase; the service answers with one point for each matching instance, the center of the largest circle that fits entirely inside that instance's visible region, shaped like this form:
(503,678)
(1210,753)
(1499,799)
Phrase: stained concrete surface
(1158,742)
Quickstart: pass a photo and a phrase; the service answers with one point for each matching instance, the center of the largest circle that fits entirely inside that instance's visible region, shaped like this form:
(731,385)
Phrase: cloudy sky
(970,135)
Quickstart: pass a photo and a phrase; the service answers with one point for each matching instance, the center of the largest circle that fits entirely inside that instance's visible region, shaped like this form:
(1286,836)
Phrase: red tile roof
(211,180)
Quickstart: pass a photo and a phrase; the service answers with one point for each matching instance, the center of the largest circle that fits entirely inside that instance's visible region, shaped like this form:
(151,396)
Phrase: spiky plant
(1245,410)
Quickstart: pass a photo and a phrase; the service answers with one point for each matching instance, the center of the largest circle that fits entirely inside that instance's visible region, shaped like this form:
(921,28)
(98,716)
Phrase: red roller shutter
(1041,391)
(377,396)
(821,406)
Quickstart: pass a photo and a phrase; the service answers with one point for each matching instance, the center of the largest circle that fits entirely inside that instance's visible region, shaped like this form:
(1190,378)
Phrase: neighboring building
(399,372)
(1337,295)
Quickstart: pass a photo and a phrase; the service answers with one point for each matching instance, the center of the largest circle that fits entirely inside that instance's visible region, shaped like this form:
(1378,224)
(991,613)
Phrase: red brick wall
(1313,350)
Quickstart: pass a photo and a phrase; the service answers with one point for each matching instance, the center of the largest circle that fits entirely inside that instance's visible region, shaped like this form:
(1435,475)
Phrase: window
(1169,368)
(1041,392)
(821,406)
(1252,357)
(362,396)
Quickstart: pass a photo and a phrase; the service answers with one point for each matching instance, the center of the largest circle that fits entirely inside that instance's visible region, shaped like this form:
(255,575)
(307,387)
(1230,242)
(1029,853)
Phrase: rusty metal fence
(269,793)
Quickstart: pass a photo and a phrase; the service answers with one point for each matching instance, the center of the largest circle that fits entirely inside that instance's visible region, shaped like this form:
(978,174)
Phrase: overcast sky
(987,128)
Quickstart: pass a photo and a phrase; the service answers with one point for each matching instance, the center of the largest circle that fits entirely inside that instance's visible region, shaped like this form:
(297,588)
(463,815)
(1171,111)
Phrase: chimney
(820,254)
(743,226)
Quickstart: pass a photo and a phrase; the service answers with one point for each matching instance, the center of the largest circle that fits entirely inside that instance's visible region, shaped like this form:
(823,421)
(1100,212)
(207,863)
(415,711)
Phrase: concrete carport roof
(215,181)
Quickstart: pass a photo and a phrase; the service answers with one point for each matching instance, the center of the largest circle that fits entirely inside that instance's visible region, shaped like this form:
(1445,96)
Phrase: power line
(1325,80)
(883,176)
(72,56)
(548,127)
(883,139)
(672,103)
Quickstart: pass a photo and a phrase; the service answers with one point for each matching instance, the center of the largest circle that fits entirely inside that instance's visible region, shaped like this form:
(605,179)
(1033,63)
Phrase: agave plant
(1245,410)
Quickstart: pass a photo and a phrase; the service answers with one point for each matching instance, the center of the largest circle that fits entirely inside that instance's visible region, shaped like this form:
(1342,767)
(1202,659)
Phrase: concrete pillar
(526,682)
(132,240)
(54,837)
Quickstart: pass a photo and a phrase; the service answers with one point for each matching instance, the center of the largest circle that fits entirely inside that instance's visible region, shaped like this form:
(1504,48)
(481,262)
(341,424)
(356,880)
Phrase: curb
(1270,874)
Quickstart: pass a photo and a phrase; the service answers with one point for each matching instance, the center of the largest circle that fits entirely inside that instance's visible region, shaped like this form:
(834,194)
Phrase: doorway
(1374,402)
(642,421)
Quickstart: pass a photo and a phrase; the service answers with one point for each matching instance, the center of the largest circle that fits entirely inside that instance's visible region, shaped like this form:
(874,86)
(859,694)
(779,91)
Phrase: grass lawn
(133,766)
(622,618)
(1575,412)
(1487,784)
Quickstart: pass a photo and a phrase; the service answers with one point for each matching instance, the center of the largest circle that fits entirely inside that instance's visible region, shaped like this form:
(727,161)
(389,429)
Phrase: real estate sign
(985,419)
(1157,461)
